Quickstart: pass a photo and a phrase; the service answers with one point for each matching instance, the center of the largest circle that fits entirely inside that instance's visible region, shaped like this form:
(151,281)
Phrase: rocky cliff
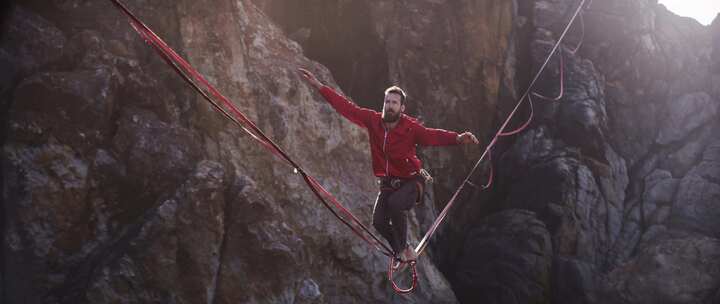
(622,172)
(121,185)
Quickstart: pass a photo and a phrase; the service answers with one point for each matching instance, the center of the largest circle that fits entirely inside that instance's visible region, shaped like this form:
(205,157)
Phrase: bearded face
(392,108)
(390,116)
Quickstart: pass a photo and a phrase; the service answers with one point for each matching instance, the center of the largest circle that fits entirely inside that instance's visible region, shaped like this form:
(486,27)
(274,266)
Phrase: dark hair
(397,90)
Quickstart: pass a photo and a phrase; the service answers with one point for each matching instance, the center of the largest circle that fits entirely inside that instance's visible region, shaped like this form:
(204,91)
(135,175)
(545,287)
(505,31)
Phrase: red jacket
(393,153)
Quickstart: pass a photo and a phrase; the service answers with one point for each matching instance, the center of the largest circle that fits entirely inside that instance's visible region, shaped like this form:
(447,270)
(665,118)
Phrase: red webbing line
(185,77)
(582,36)
(170,56)
(397,288)
(377,243)
(184,68)
(423,243)
(525,125)
(560,95)
(492,172)
(490,175)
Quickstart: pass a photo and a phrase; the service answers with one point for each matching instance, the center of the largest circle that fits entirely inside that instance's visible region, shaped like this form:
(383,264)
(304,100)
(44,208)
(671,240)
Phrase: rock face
(120,184)
(506,258)
(623,169)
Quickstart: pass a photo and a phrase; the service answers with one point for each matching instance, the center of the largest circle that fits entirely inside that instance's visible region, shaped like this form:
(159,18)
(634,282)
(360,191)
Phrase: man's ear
(402,108)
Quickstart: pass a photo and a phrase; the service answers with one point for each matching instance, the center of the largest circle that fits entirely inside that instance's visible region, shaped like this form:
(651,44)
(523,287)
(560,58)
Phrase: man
(393,138)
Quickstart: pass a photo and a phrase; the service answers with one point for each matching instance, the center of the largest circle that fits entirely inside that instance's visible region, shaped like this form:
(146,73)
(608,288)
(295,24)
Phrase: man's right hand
(467,138)
(311,78)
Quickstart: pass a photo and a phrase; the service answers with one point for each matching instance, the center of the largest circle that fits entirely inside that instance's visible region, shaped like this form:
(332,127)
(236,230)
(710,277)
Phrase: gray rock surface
(121,185)
(622,169)
(505,259)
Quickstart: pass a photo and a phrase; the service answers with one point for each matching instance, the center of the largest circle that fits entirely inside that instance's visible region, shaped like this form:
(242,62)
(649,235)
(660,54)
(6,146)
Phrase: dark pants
(389,216)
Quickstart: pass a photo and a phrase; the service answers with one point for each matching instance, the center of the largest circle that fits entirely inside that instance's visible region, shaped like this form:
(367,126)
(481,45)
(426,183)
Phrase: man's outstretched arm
(440,137)
(342,105)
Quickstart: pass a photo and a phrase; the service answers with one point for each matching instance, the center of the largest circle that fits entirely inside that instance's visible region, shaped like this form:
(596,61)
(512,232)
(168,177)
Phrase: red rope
(372,241)
(561,92)
(397,288)
(490,176)
(524,125)
(582,35)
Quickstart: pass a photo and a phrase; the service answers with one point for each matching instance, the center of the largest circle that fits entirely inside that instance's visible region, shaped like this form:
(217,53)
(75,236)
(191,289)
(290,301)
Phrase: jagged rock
(607,166)
(574,281)
(694,207)
(46,234)
(73,107)
(681,161)
(123,186)
(566,196)
(686,114)
(670,271)
(506,258)
(48,45)
(660,189)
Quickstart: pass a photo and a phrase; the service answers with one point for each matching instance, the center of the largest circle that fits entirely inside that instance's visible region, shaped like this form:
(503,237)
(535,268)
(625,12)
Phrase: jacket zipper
(387,165)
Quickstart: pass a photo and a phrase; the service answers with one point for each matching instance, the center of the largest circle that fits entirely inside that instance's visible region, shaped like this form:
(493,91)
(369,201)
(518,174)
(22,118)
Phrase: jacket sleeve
(435,137)
(346,108)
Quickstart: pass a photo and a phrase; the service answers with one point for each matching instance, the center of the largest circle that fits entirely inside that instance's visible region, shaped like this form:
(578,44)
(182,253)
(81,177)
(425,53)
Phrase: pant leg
(397,204)
(381,219)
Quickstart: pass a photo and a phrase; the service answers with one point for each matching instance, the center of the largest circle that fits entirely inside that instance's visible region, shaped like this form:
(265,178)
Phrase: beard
(390,117)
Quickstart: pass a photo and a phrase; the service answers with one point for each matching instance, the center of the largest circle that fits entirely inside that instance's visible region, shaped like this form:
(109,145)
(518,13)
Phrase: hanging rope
(501,132)
(561,91)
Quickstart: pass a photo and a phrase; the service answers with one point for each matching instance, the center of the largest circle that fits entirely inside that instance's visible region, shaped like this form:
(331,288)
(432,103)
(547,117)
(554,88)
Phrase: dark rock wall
(120,185)
(621,170)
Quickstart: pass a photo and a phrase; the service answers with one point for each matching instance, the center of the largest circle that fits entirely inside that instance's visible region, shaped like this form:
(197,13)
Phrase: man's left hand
(467,138)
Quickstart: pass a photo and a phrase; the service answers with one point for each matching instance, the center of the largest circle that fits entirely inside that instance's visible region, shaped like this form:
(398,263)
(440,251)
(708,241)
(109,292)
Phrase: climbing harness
(228,109)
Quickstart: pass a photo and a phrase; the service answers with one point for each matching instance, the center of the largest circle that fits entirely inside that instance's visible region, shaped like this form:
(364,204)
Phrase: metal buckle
(395,183)
(426,175)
